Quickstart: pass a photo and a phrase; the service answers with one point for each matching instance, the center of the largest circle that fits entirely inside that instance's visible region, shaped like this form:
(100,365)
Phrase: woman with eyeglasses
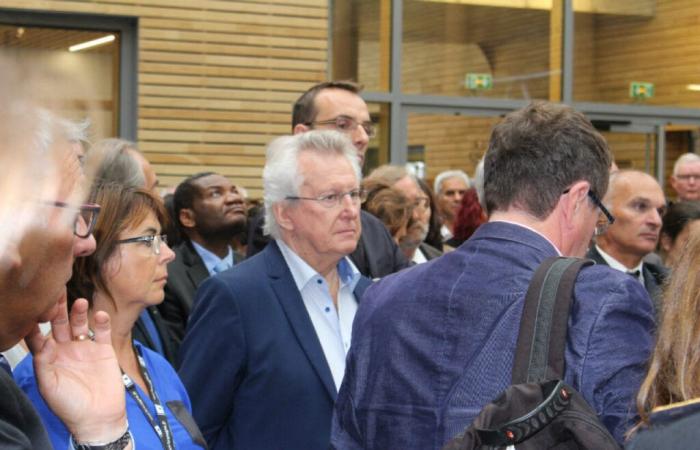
(124,275)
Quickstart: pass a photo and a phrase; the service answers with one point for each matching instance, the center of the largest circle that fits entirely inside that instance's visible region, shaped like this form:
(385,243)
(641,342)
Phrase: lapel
(196,270)
(362,285)
(595,256)
(293,305)
(653,287)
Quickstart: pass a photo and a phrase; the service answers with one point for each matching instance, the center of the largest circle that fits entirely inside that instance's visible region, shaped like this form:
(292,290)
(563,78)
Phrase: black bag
(539,411)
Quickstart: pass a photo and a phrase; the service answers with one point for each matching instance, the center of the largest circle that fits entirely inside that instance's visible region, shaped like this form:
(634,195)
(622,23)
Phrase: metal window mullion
(567,79)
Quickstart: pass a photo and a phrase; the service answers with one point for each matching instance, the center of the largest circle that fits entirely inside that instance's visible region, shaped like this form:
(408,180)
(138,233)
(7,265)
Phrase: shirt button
(319,281)
(328,309)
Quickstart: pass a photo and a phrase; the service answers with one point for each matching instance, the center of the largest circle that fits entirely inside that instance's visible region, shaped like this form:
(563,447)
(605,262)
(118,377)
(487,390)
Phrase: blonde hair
(674,371)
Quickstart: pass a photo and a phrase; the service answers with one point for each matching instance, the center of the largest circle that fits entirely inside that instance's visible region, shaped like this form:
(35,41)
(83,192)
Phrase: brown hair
(537,152)
(674,371)
(304,109)
(388,205)
(122,208)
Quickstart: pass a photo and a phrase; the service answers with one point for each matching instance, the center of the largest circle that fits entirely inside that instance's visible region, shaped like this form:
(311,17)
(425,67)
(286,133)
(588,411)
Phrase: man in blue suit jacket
(265,348)
(432,345)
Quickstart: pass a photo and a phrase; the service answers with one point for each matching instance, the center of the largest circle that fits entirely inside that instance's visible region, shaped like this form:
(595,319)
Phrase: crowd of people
(344,312)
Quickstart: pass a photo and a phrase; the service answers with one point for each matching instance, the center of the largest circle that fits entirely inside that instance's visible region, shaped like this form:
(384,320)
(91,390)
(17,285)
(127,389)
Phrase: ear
(301,128)
(187,218)
(673,182)
(573,202)
(282,214)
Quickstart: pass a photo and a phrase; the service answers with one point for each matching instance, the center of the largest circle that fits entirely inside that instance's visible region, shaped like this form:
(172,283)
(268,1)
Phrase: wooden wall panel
(216,78)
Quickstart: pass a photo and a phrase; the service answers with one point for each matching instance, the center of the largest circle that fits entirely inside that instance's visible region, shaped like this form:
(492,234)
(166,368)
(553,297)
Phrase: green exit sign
(479,81)
(641,90)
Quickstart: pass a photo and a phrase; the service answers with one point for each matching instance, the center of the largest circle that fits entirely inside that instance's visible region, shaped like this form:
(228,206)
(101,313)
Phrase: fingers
(79,320)
(35,340)
(103,331)
(60,327)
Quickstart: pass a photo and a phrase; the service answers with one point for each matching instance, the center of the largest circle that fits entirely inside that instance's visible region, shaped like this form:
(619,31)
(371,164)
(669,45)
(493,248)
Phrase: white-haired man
(449,188)
(45,228)
(276,328)
(686,177)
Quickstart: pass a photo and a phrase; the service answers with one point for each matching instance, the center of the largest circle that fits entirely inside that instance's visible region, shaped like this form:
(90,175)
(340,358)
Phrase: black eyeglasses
(88,212)
(601,227)
(347,125)
(333,199)
(153,241)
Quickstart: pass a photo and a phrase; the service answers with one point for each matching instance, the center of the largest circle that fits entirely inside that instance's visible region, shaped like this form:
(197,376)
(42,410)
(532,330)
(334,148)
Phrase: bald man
(637,202)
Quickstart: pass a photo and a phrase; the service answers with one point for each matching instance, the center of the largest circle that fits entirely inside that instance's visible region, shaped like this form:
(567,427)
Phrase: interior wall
(216,79)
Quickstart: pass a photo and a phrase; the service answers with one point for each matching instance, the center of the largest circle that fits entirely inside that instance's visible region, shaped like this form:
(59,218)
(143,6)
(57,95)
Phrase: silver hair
(478,182)
(115,164)
(442,176)
(685,158)
(281,177)
(51,129)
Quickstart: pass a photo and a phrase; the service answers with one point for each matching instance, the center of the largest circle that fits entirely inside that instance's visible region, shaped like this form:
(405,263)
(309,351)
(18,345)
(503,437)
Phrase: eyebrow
(151,230)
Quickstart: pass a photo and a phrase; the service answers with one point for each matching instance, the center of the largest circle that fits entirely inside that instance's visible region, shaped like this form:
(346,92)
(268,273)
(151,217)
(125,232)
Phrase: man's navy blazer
(252,362)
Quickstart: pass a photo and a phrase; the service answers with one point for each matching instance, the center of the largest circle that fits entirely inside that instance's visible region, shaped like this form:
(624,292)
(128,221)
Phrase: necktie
(635,274)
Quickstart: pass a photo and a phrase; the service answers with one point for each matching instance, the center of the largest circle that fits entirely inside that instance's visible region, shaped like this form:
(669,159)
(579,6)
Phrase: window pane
(378,150)
(650,41)
(361,37)
(93,71)
(446,42)
(445,142)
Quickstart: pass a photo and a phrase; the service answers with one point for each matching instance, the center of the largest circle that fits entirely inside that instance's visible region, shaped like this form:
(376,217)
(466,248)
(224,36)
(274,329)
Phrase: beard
(416,234)
(224,231)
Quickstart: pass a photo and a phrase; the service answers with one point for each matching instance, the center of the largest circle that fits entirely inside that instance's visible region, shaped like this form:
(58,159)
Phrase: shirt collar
(302,273)
(210,259)
(617,265)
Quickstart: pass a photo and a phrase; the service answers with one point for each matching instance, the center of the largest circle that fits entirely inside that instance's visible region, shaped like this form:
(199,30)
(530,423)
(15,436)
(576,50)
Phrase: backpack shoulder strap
(539,353)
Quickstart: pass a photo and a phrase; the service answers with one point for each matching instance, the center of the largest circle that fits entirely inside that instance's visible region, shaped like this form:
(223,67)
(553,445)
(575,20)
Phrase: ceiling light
(92,43)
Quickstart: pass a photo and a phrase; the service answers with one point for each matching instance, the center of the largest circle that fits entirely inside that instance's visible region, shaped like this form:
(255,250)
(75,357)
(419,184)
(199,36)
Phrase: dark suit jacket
(375,256)
(654,277)
(170,344)
(429,251)
(20,425)
(252,362)
(185,274)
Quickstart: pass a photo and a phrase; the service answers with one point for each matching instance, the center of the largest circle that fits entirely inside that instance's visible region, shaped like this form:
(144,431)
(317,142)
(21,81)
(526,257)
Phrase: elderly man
(449,188)
(209,212)
(79,379)
(337,105)
(686,177)
(637,202)
(412,243)
(265,348)
(434,344)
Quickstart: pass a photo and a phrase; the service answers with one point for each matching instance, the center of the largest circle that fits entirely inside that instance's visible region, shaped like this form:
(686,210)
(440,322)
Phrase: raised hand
(80,378)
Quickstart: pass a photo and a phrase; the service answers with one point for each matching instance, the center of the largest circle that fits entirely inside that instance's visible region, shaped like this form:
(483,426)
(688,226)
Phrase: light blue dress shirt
(333,327)
(211,260)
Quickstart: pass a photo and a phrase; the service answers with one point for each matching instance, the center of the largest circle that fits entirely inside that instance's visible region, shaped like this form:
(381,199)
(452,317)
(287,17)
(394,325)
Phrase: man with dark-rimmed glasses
(433,344)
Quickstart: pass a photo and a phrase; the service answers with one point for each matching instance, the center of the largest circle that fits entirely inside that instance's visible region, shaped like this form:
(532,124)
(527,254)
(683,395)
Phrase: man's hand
(79,378)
